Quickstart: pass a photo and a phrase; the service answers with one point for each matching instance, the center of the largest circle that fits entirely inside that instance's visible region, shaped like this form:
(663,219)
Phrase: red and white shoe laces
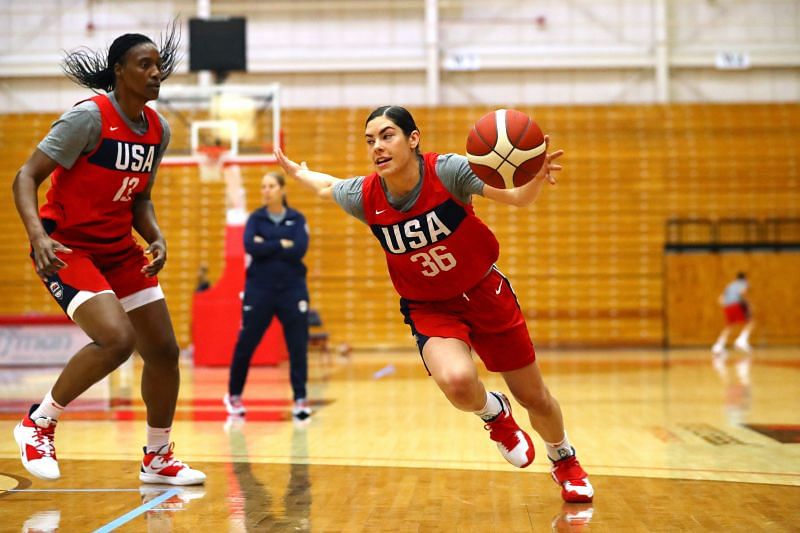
(36,441)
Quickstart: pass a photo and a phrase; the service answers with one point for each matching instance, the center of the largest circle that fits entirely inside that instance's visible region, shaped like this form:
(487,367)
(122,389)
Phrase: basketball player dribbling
(103,155)
(441,259)
(736,309)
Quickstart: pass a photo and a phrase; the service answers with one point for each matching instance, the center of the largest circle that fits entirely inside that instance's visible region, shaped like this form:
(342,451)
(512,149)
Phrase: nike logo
(290,222)
(113,128)
(499,287)
(379,212)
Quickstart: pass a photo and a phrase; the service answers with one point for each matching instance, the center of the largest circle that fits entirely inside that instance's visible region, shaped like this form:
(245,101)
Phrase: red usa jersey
(439,248)
(92,202)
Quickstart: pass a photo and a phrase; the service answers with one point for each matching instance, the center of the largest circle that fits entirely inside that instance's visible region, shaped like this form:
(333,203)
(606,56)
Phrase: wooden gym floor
(671,443)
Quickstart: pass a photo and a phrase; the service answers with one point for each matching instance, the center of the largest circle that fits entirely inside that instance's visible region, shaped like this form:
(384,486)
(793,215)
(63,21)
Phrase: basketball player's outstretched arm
(318,181)
(527,194)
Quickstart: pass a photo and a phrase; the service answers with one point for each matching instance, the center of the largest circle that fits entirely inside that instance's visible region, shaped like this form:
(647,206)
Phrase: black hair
(741,275)
(399,115)
(95,69)
(281,179)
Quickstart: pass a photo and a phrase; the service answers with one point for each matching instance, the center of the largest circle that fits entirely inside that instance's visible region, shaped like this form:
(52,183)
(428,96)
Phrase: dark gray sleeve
(348,194)
(76,132)
(165,138)
(456,175)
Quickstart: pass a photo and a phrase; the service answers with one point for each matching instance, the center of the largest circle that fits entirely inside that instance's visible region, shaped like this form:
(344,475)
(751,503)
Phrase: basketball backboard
(242,121)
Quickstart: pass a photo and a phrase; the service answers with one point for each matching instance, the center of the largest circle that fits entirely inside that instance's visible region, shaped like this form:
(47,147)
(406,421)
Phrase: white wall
(369,52)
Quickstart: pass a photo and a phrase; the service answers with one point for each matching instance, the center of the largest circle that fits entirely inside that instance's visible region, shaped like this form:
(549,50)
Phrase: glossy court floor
(672,443)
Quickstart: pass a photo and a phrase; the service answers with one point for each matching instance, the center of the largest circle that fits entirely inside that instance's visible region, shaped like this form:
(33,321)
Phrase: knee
(118,345)
(536,401)
(164,355)
(459,387)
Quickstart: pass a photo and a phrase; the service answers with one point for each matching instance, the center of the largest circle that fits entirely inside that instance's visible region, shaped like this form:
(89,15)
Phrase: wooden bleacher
(586,262)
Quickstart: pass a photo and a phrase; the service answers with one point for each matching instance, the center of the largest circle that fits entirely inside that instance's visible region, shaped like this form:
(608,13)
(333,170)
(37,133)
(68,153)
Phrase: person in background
(441,260)
(103,155)
(276,239)
(203,283)
(737,313)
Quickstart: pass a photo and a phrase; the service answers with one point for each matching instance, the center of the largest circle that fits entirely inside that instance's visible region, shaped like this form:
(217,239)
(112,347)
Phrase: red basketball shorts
(487,317)
(88,274)
(736,313)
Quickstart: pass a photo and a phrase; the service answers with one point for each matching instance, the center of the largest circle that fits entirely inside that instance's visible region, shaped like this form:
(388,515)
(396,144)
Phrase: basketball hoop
(211,163)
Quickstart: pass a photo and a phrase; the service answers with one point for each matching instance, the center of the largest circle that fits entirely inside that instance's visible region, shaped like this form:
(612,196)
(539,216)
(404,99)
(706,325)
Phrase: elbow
(15,183)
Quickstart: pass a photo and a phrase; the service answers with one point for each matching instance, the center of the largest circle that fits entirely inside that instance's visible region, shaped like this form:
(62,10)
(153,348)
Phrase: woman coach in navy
(276,238)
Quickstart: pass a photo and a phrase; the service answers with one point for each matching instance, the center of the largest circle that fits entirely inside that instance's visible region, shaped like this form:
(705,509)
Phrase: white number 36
(435,260)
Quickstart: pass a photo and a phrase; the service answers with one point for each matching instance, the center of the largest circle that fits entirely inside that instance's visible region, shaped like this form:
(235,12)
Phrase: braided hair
(95,69)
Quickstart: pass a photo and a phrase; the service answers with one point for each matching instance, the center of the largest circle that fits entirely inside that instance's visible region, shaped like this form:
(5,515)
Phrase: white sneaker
(35,439)
(234,405)
(743,345)
(162,467)
(301,410)
(718,349)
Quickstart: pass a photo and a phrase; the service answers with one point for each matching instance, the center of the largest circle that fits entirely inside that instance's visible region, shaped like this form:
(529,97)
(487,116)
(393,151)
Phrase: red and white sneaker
(234,405)
(514,444)
(36,447)
(574,481)
(162,467)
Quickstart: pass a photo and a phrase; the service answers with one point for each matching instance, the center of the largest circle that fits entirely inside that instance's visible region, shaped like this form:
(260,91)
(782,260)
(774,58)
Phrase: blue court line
(127,517)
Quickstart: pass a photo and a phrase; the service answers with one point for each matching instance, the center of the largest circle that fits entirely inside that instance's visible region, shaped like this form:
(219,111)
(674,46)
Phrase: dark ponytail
(95,70)
(399,115)
(281,179)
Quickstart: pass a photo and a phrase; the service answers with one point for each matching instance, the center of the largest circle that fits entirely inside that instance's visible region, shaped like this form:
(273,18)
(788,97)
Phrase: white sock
(559,450)
(721,340)
(49,407)
(157,438)
(492,408)
(744,336)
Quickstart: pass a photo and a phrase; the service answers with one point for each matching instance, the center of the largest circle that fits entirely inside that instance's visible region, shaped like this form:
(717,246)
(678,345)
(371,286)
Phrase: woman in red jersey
(102,157)
(441,259)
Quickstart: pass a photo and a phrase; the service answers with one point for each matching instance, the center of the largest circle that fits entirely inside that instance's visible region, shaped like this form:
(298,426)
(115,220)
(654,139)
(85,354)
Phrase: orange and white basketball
(506,148)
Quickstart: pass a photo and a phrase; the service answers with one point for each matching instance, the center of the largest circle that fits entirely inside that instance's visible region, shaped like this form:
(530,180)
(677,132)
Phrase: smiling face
(391,152)
(272,193)
(139,71)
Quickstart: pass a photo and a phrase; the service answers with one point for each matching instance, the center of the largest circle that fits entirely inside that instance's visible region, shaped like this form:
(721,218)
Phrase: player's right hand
(45,258)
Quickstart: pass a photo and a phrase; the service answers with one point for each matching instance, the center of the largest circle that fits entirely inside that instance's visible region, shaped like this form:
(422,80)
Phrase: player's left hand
(549,167)
(158,249)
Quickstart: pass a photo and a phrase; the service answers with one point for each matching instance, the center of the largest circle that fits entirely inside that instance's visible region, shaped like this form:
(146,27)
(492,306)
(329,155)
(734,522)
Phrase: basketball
(505,148)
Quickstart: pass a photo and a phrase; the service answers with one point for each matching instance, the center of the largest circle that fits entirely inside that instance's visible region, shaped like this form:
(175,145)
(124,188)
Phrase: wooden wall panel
(694,282)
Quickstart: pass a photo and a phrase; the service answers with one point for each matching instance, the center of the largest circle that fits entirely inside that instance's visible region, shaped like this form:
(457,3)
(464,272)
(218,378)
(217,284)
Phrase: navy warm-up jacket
(272,266)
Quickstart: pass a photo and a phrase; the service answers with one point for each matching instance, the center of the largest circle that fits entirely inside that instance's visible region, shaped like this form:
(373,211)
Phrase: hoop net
(211,163)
